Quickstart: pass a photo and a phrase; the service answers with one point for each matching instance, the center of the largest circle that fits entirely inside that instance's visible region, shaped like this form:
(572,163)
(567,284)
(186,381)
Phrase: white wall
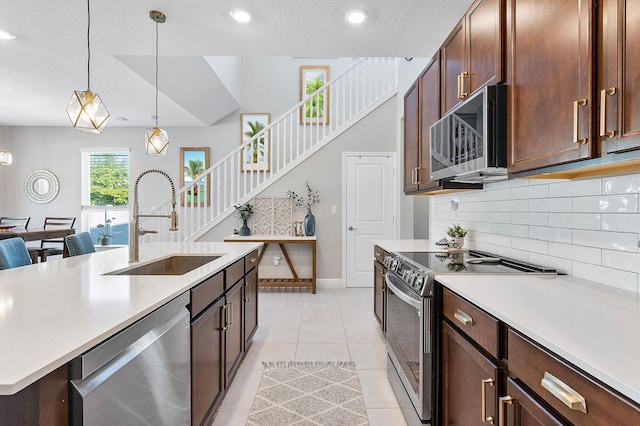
(587,228)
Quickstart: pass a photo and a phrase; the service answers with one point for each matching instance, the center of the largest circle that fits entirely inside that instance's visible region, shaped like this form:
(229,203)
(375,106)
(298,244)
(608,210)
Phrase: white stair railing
(352,94)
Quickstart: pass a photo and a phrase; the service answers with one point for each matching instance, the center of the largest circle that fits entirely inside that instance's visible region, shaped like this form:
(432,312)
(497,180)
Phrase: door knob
(351,228)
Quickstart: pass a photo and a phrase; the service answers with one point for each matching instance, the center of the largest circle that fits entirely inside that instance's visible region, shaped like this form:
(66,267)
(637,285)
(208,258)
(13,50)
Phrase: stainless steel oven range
(413,317)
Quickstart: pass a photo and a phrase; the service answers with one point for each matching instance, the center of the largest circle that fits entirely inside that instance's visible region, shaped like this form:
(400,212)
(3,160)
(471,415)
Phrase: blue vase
(309,225)
(245,231)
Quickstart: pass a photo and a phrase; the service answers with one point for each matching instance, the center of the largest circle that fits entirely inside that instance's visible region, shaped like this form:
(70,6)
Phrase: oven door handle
(402,294)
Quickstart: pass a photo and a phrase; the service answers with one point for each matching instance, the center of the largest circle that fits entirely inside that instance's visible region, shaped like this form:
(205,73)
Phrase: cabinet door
(485,41)
(411,138)
(429,82)
(549,75)
(378,293)
(250,306)
(518,407)
(206,363)
(469,382)
(233,332)
(619,75)
(453,62)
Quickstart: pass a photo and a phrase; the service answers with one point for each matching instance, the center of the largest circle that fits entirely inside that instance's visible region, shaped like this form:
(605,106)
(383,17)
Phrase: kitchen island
(52,312)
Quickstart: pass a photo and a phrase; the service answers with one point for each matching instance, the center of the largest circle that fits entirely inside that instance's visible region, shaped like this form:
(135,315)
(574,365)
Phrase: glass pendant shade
(157,142)
(5,158)
(87,112)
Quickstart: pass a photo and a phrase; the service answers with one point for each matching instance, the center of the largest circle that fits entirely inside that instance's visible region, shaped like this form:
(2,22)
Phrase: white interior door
(369,212)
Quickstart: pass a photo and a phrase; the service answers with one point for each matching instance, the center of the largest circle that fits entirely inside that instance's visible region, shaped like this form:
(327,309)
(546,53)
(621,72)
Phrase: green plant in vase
(311,200)
(244,212)
(457,233)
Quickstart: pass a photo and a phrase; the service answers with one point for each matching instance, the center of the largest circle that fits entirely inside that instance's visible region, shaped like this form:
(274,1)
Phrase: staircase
(348,97)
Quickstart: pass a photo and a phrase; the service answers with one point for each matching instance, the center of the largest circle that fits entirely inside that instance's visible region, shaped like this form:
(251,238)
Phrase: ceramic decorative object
(309,224)
(245,230)
(458,242)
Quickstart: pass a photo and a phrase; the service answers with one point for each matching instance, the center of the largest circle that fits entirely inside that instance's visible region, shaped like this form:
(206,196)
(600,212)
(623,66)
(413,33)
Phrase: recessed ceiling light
(240,15)
(356,16)
(6,35)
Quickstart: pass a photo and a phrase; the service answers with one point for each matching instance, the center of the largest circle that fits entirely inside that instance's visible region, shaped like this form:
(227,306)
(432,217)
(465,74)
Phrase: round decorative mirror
(41,186)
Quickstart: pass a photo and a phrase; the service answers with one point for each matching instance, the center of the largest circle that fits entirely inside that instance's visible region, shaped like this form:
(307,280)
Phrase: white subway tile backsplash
(530,245)
(531,191)
(513,230)
(608,276)
(606,203)
(550,205)
(608,240)
(588,228)
(575,220)
(582,254)
(540,219)
(621,222)
(575,188)
(621,184)
(621,260)
(558,235)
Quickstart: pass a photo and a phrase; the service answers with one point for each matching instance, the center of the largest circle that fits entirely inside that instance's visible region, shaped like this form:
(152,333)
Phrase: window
(105,195)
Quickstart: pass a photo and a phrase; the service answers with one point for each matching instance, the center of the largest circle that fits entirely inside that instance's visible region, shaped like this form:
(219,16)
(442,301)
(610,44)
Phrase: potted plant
(104,233)
(457,233)
(244,212)
(311,200)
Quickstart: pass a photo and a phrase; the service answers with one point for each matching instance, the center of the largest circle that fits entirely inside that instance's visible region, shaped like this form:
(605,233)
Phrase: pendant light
(157,141)
(86,110)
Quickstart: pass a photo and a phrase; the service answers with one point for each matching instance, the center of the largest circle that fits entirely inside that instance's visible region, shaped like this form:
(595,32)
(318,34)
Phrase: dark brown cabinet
(549,73)
(234,341)
(379,287)
(411,138)
(207,387)
(250,307)
(519,407)
(618,87)
(472,56)
(470,382)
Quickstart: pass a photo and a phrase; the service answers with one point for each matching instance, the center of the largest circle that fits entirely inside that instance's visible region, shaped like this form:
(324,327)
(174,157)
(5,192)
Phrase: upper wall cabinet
(411,137)
(618,87)
(549,72)
(472,56)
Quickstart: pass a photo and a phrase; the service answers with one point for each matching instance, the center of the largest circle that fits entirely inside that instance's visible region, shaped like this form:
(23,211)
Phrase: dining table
(35,234)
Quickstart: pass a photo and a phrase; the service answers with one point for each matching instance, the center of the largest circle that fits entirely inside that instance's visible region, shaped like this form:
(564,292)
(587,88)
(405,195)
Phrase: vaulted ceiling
(47,60)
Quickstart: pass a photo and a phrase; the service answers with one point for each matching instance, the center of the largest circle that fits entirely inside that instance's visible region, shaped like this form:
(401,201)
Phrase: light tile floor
(331,325)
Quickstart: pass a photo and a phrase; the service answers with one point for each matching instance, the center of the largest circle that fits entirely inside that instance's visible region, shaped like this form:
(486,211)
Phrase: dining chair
(55,246)
(80,243)
(13,253)
(19,221)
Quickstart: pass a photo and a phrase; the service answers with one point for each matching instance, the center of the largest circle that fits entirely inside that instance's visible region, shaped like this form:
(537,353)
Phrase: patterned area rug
(309,393)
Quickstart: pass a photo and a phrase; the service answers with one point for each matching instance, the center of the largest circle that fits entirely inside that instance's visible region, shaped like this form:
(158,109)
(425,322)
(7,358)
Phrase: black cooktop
(464,262)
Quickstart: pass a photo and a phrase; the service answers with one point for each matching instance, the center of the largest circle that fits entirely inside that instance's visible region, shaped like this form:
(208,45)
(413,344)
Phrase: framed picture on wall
(256,156)
(193,162)
(316,109)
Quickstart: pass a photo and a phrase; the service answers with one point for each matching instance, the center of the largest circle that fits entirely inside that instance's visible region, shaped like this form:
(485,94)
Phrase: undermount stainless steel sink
(173,265)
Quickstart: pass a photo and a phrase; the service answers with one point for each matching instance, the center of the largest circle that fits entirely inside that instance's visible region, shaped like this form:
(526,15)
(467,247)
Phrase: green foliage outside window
(109,179)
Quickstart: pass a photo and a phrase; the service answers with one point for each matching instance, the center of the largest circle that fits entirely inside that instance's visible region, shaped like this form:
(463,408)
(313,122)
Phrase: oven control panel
(408,273)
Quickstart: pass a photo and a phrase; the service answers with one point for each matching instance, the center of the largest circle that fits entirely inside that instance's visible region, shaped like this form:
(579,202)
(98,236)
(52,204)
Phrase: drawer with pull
(574,395)
(472,321)
(379,254)
(251,261)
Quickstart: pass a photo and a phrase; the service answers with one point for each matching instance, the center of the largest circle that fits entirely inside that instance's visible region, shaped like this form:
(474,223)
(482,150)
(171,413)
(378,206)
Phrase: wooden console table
(281,240)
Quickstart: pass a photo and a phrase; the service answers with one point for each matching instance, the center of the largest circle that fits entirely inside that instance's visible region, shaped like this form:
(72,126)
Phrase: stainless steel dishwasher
(140,376)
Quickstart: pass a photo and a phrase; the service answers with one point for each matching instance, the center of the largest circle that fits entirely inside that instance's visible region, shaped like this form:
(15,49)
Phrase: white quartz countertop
(593,326)
(52,312)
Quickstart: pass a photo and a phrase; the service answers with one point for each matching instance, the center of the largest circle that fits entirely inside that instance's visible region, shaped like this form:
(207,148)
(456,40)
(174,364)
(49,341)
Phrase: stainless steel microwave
(469,144)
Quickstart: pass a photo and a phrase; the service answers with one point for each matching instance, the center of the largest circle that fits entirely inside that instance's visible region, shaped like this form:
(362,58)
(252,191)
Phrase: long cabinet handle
(485,418)
(459,94)
(463,94)
(418,176)
(564,392)
(463,317)
(503,400)
(226,318)
(576,121)
(230,313)
(603,112)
